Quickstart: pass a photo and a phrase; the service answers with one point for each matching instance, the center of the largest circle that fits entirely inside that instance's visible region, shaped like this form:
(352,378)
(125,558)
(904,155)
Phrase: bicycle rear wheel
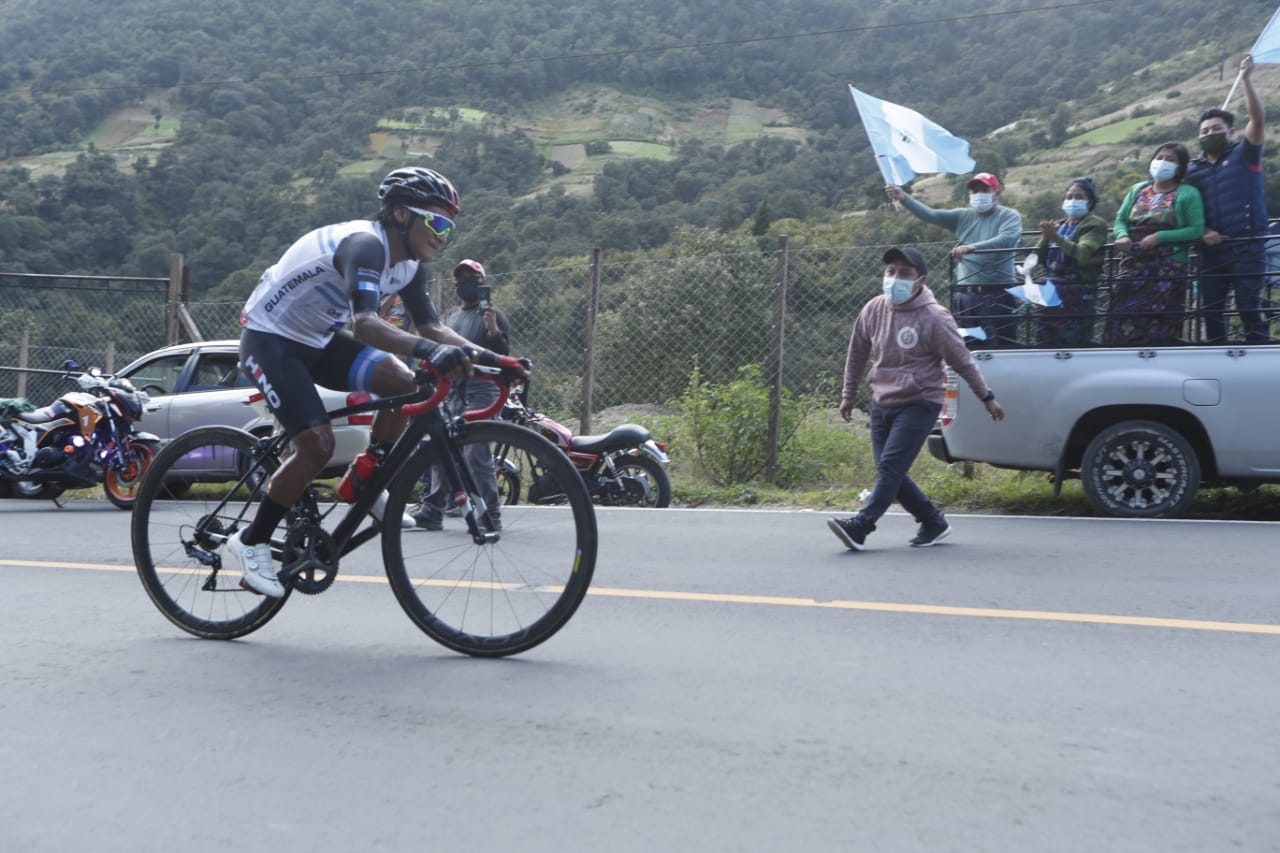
(190,502)
(517,589)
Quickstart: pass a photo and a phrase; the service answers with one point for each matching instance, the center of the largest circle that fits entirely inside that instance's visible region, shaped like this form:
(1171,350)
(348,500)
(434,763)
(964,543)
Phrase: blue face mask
(1074,208)
(1163,170)
(899,290)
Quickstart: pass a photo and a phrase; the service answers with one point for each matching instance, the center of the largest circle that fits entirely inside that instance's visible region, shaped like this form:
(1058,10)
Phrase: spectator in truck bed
(1071,253)
(1228,174)
(981,275)
(1157,223)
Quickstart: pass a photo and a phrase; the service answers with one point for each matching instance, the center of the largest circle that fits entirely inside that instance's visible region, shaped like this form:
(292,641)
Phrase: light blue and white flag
(1267,47)
(906,143)
(1043,294)
(976,332)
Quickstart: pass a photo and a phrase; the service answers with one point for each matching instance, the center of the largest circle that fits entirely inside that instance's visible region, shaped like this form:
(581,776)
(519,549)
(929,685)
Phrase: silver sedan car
(200,384)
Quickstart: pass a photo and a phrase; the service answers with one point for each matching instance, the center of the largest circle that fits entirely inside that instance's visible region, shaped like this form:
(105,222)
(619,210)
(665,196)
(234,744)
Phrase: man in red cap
(981,270)
(480,322)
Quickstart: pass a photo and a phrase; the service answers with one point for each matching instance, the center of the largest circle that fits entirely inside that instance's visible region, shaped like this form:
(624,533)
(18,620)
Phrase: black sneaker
(850,532)
(930,533)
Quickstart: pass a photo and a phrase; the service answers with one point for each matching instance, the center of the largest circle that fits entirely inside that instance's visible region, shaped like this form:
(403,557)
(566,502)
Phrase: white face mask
(982,202)
(1074,208)
(1163,170)
(899,290)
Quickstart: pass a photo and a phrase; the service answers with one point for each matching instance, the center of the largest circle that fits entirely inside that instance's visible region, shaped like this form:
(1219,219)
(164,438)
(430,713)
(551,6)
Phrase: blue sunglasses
(436,223)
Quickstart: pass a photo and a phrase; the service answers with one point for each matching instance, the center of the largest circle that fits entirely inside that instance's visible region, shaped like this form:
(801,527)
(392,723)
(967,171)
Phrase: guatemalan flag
(906,143)
(1043,293)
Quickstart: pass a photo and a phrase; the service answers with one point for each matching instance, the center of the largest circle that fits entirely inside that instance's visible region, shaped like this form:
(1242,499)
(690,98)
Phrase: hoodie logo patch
(908,337)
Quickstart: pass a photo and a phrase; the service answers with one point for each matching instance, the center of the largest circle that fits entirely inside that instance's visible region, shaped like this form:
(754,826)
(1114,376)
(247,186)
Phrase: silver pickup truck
(1142,428)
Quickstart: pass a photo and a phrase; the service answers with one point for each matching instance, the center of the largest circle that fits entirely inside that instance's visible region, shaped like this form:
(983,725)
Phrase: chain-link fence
(600,334)
(93,320)
(656,319)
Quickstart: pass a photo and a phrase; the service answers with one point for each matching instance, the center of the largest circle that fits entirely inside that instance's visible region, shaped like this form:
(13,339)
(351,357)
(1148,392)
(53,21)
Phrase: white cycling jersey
(305,298)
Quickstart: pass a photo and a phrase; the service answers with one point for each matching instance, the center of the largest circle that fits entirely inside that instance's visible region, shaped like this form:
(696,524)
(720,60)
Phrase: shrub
(723,431)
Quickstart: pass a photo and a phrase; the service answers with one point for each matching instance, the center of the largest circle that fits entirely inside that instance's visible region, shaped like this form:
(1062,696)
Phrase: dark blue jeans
(1238,268)
(897,434)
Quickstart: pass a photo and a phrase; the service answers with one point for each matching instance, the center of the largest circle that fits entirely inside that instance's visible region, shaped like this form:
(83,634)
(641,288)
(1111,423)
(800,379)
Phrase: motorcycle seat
(43,415)
(627,435)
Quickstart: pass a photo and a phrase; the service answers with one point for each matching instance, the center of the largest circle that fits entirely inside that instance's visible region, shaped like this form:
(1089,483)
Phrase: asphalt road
(735,681)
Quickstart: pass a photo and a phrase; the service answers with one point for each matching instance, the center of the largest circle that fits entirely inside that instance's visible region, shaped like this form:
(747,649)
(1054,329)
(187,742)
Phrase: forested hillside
(258,121)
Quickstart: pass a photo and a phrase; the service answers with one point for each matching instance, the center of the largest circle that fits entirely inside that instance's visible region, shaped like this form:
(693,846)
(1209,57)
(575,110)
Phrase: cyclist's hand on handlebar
(449,361)
(512,368)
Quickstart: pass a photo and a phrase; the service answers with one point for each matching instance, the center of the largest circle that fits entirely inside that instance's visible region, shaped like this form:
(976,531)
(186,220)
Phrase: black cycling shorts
(287,372)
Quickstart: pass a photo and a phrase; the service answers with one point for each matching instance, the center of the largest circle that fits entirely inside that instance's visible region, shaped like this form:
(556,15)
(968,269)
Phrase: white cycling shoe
(255,563)
(380,507)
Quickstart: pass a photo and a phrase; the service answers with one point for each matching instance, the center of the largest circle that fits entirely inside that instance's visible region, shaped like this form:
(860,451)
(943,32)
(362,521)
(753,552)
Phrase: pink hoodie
(907,346)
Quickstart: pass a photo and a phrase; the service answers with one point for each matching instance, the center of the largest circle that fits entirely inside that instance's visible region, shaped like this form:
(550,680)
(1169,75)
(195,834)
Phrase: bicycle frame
(426,423)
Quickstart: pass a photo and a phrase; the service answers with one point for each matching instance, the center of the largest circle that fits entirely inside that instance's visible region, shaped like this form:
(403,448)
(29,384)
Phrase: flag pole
(1239,76)
(890,175)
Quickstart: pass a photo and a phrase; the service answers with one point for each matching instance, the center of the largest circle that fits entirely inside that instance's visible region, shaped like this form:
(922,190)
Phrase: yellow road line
(785,601)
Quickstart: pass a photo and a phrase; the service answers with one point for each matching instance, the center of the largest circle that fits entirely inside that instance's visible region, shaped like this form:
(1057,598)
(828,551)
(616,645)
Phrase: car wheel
(1140,469)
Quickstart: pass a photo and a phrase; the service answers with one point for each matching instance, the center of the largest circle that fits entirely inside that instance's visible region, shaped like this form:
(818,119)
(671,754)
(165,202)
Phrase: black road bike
(489,590)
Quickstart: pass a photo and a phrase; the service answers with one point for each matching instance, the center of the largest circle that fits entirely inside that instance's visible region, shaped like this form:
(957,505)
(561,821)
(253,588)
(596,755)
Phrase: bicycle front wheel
(199,491)
(521,585)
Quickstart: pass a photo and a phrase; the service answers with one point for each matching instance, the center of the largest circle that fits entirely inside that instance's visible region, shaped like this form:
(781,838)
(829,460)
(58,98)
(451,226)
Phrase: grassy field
(1111,134)
(633,126)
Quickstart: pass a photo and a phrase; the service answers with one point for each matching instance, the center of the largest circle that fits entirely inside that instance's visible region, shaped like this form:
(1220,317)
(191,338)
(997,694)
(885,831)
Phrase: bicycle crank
(310,559)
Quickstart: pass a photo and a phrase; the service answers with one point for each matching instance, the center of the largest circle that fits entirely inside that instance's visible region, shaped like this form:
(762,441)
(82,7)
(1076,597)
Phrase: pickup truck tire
(1140,469)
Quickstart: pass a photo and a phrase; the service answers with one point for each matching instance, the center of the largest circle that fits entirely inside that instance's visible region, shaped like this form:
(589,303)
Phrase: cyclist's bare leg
(390,378)
(312,450)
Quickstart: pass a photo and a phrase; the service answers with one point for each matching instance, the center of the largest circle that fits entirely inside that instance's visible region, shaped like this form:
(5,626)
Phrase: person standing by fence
(479,321)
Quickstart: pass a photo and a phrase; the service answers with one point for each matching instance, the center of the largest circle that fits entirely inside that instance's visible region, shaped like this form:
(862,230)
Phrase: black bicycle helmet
(416,187)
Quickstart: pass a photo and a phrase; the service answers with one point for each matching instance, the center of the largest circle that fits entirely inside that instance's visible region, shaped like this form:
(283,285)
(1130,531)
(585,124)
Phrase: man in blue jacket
(1229,176)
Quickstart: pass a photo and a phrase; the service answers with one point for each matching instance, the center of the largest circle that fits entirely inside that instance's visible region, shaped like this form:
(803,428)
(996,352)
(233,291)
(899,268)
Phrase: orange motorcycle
(83,438)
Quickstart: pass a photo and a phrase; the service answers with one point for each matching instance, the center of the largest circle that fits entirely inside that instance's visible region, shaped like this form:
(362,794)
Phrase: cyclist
(294,337)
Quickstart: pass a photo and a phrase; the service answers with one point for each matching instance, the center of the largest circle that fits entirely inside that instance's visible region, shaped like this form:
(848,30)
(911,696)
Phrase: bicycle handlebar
(503,373)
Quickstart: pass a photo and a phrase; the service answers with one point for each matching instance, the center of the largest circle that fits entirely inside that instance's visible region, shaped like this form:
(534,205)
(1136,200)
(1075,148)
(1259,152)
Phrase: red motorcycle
(624,467)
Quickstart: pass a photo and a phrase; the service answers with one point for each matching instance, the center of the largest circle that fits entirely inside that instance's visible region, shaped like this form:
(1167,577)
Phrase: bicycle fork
(461,482)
